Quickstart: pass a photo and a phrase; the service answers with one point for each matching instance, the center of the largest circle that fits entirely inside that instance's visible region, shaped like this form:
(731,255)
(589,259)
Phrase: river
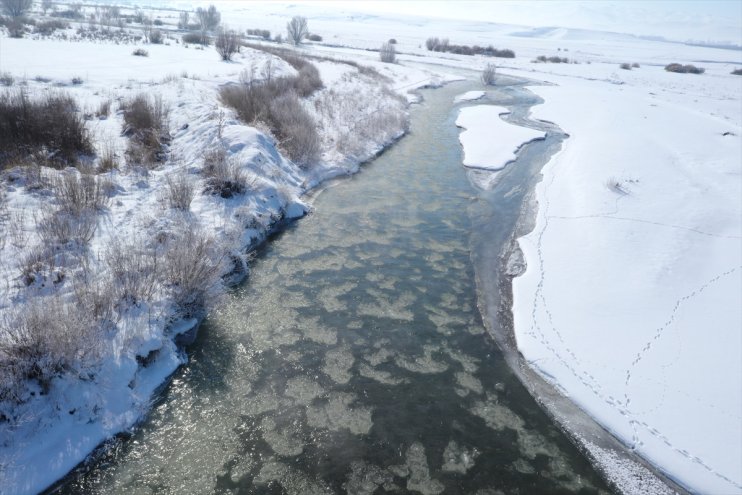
(355,359)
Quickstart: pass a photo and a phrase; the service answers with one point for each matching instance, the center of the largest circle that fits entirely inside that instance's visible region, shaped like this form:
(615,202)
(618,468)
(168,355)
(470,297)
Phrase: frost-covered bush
(49,126)
(488,75)
(156,37)
(227,43)
(76,192)
(46,28)
(387,53)
(224,177)
(42,340)
(61,227)
(196,38)
(191,269)
(134,269)
(6,79)
(684,69)
(145,123)
(179,191)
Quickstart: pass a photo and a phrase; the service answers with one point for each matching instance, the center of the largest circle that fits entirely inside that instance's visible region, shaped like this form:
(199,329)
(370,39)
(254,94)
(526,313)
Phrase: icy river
(355,359)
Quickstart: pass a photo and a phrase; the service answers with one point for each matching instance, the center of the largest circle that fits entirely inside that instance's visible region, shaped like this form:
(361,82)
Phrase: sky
(704,20)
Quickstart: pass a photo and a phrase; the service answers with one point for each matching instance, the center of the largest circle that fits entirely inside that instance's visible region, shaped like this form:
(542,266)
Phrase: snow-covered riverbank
(630,301)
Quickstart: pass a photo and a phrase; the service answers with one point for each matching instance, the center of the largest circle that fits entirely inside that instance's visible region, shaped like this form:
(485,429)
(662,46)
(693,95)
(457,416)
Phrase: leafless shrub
(196,38)
(76,192)
(224,177)
(297,30)
(388,53)
(104,109)
(314,37)
(227,43)
(145,124)
(263,33)
(179,191)
(107,159)
(6,79)
(61,227)
(77,80)
(50,125)
(737,72)
(552,60)
(635,65)
(156,37)
(625,66)
(140,52)
(42,340)
(17,231)
(134,269)
(488,75)
(684,69)
(94,292)
(191,269)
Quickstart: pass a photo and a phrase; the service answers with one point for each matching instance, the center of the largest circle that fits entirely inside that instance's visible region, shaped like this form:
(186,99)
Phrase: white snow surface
(631,299)
(489,142)
(470,96)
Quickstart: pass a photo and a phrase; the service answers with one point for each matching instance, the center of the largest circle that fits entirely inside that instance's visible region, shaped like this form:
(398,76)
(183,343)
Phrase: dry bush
(224,177)
(276,103)
(107,159)
(134,270)
(156,37)
(50,126)
(104,109)
(635,65)
(227,43)
(191,269)
(625,66)
(179,191)
(145,123)
(737,72)
(684,69)
(314,37)
(140,52)
(196,38)
(43,340)
(78,192)
(6,79)
(58,228)
(388,53)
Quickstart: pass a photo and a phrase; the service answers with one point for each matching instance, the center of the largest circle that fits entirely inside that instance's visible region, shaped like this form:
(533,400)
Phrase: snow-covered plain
(489,142)
(630,302)
(631,299)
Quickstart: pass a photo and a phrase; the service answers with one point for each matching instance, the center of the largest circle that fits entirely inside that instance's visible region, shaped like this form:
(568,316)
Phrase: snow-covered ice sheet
(470,96)
(631,297)
(489,142)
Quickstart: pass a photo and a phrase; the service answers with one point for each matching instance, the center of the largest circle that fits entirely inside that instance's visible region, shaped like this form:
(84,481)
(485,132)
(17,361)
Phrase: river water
(354,359)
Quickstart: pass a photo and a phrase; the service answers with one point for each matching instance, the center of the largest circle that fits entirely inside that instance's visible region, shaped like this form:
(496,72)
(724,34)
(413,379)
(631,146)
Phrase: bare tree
(488,75)
(16,8)
(46,5)
(208,19)
(183,20)
(387,53)
(297,30)
(227,44)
